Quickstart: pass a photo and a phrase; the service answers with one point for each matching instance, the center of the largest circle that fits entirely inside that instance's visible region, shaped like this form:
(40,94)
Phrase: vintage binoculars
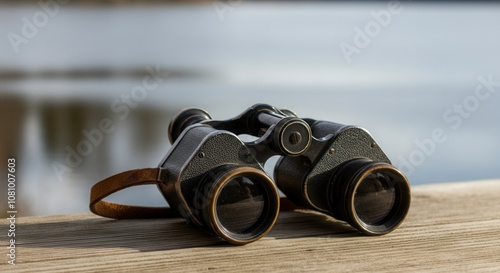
(332,168)
(214,179)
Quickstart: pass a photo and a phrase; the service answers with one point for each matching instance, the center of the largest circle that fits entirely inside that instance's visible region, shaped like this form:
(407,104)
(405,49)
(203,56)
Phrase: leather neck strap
(122,181)
(133,178)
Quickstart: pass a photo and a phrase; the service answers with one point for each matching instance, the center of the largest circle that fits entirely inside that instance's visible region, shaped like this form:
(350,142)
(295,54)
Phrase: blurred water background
(225,56)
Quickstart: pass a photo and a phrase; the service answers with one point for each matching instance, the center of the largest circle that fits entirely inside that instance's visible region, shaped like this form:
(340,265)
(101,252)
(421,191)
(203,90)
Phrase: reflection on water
(56,92)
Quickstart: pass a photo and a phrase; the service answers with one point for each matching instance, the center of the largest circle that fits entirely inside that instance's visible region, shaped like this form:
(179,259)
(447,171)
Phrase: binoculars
(214,179)
(218,180)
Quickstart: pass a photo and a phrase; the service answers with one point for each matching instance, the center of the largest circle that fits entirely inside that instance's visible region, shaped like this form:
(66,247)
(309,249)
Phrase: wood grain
(451,227)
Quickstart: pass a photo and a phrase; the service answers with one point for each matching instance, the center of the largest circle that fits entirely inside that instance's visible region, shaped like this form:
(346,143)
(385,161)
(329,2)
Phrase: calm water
(424,62)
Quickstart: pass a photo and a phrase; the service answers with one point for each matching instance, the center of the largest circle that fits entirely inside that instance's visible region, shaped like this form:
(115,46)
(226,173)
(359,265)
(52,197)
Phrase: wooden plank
(451,227)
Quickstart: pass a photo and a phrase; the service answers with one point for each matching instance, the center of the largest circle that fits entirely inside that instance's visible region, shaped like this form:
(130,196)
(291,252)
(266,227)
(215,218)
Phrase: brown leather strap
(133,178)
(121,181)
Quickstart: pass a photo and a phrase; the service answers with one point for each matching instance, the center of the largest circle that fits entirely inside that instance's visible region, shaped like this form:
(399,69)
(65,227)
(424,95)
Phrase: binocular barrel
(350,179)
(212,185)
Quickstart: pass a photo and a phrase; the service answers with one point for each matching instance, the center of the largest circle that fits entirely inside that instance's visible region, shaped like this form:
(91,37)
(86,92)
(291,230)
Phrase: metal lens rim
(266,220)
(401,204)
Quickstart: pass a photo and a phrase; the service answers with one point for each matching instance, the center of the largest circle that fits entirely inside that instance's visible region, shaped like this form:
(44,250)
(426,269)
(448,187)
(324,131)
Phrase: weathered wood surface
(451,227)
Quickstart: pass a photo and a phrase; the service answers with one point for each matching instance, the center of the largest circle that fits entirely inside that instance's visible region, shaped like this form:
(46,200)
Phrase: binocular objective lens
(240,204)
(375,197)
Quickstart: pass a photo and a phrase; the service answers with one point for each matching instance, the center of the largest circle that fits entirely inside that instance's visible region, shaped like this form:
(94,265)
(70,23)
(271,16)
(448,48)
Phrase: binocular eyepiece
(215,180)
(184,119)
